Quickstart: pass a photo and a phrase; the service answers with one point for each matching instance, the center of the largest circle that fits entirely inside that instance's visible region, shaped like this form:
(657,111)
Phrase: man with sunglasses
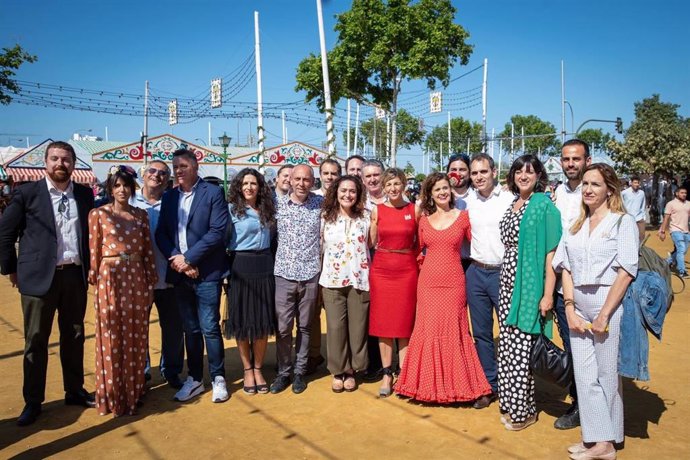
(156,177)
(458,170)
(49,217)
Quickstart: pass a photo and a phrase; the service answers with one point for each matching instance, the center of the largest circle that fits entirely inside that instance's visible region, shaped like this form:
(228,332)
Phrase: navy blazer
(208,219)
(30,218)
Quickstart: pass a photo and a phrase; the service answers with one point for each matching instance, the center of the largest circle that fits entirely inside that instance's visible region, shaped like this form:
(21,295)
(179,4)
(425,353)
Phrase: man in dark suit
(50,218)
(191,235)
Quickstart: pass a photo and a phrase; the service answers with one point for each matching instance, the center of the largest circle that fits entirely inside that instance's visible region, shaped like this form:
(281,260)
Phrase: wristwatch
(187,261)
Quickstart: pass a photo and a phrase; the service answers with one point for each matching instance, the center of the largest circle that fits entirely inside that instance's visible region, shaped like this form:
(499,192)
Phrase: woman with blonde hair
(598,257)
(393,276)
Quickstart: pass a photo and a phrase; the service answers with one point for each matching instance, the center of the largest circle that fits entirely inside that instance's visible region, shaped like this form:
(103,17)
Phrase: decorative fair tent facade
(30,166)
(293,153)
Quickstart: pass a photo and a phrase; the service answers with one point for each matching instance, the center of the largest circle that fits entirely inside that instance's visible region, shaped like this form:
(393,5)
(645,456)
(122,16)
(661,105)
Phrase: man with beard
(329,171)
(353,165)
(50,219)
(568,197)
(156,178)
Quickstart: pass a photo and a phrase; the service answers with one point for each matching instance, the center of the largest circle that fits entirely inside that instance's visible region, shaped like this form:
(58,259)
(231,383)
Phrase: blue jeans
(172,337)
(564,332)
(482,297)
(199,305)
(681,241)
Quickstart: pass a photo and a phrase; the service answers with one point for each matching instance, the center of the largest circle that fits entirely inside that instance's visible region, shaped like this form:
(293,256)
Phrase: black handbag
(550,362)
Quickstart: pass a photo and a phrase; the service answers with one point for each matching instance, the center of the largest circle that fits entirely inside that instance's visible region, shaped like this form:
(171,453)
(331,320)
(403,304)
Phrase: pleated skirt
(251,296)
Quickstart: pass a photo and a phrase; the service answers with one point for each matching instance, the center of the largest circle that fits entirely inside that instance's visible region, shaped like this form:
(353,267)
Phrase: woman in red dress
(393,273)
(441,364)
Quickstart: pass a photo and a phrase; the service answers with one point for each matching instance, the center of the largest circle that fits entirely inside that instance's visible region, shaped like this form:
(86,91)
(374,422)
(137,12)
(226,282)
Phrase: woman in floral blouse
(345,279)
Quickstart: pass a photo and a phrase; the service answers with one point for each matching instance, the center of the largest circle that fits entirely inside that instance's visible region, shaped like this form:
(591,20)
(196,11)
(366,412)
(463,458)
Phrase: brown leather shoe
(485,401)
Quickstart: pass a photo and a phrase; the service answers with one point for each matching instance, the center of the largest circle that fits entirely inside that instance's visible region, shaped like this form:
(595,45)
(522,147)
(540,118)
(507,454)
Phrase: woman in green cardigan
(530,232)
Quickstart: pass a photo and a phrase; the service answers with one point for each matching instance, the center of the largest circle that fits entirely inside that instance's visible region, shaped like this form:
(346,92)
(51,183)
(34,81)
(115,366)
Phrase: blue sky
(616,52)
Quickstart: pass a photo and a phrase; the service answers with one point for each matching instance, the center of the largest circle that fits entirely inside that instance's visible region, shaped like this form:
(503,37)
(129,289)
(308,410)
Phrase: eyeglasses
(62,206)
(157,172)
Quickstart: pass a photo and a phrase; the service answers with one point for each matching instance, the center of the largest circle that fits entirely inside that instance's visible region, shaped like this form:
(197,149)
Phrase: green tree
(420,177)
(409,170)
(460,131)
(10,60)
(373,132)
(546,143)
(597,139)
(657,142)
(382,43)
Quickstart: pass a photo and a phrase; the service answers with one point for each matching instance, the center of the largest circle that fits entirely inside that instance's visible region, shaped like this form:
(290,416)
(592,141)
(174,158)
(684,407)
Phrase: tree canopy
(10,60)
(408,133)
(657,141)
(461,130)
(382,43)
(546,143)
(597,140)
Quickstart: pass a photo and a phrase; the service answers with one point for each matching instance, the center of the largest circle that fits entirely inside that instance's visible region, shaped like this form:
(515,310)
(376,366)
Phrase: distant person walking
(636,204)
(676,217)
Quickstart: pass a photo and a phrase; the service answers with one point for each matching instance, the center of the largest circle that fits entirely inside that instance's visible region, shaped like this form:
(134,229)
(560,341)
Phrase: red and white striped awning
(82,176)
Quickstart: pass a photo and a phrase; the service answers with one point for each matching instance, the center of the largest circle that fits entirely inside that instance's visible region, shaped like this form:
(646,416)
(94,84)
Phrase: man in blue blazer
(50,219)
(191,234)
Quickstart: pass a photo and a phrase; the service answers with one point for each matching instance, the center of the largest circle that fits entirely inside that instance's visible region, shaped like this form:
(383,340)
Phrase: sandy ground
(321,424)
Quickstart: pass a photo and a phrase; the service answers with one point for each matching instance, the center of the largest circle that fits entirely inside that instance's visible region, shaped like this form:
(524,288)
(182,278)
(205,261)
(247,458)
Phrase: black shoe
(279,384)
(372,375)
(569,420)
(29,414)
(485,401)
(82,398)
(147,377)
(174,382)
(299,385)
(313,364)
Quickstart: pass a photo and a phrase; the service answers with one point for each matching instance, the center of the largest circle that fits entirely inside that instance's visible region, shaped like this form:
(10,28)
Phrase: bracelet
(567,302)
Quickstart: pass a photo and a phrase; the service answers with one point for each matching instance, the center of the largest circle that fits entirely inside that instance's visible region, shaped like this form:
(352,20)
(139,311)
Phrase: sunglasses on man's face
(157,172)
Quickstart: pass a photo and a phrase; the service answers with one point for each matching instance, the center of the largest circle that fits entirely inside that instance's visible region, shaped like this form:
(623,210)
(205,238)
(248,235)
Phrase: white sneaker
(189,389)
(220,392)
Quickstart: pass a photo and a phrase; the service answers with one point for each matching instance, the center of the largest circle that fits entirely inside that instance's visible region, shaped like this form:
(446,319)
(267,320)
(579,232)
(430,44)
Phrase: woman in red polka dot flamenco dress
(441,364)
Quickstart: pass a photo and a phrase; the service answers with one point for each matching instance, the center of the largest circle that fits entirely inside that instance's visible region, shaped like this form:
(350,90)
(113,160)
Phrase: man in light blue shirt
(156,177)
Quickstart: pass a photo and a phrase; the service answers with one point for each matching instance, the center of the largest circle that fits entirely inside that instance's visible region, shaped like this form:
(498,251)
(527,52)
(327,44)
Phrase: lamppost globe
(224,141)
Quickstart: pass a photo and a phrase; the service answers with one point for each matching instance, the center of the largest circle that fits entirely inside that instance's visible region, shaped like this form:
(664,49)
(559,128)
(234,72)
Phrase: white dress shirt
(66,223)
(183,208)
(485,215)
(569,203)
(153,210)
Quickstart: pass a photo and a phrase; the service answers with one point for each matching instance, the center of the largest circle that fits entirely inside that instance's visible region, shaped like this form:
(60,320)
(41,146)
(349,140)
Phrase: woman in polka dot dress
(441,364)
(123,271)
(527,179)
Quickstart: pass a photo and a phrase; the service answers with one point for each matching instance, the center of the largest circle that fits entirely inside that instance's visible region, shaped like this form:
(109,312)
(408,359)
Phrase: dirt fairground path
(321,424)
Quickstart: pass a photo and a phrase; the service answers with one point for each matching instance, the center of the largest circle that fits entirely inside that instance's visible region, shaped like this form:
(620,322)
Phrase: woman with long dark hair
(441,364)
(345,279)
(530,231)
(599,259)
(251,285)
(124,273)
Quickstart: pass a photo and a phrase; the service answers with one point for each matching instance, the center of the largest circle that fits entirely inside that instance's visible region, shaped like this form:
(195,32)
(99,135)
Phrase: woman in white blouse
(598,257)
(345,279)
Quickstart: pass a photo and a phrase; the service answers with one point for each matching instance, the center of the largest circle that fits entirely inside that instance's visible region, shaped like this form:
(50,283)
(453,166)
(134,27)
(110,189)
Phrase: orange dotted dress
(124,292)
(441,364)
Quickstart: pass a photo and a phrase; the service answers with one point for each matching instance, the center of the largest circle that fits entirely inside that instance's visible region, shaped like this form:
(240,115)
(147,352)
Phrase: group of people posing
(402,275)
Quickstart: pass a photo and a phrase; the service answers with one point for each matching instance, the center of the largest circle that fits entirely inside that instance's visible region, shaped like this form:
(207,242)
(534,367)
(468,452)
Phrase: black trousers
(67,296)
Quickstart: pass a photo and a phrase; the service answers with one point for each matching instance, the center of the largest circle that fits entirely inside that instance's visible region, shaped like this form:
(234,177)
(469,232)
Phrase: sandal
(249,390)
(261,388)
(338,385)
(349,382)
(386,391)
